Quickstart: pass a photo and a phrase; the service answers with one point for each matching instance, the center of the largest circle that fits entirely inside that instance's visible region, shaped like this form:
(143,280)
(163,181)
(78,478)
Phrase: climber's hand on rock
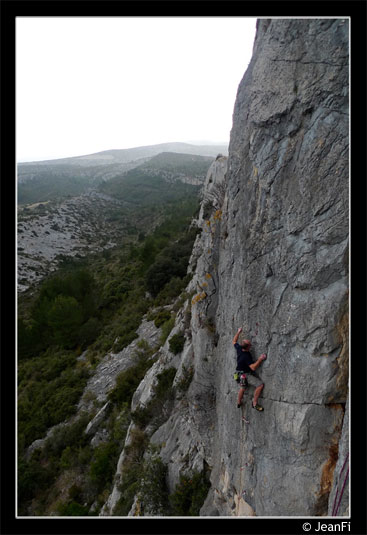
(263,356)
(239,330)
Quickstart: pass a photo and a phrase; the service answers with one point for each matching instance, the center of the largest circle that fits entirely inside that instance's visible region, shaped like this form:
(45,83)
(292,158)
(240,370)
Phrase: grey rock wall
(283,270)
(272,258)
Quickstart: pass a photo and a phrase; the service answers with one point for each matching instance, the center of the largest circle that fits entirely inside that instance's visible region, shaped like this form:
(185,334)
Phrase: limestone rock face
(104,378)
(283,269)
(272,258)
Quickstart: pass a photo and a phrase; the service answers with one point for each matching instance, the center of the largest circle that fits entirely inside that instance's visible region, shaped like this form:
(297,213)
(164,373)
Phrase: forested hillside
(99,247)
(111,208)
(88,307)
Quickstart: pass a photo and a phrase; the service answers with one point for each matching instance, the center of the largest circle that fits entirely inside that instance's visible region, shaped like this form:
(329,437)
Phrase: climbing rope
(240,489)
(242,466)
(336,507)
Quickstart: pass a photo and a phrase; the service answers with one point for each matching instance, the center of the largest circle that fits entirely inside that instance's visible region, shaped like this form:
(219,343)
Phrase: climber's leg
(255,380)
(257,393)
(240,396)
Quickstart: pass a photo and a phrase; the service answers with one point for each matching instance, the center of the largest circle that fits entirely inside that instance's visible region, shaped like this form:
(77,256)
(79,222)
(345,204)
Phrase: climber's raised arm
(234,341)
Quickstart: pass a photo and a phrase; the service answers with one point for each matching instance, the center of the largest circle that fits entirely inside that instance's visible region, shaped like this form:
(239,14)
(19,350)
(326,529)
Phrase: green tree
(65,318)
(88,332)
(153,488)
(29,339)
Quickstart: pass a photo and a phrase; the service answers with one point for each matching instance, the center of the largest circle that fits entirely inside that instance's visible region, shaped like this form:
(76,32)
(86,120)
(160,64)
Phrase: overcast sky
(84,85)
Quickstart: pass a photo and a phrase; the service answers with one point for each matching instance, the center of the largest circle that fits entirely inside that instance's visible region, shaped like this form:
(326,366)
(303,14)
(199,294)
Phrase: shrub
(126,384)
(176,343)
(189,494)
(132,472)
(153,490)
(186,380)
(65,317)
(67,458)
(208,208)
(128,381)
(89,332)
(154,413)
(171,290)
(159,274)
(72,509)
(183,297)
(29,339)
(163,388)
(166,329)
(162,316)
(75,493)
(124,340)
(137,446)
(128,487)
(33,478)
(118,423)
(48,394)
(141,416)
(103,465)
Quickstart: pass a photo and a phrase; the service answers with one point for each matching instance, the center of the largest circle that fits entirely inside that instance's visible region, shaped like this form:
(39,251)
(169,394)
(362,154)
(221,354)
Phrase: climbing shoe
(258,407)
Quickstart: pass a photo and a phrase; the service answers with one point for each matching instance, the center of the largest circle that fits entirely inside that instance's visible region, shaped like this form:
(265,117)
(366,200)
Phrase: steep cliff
(272,258)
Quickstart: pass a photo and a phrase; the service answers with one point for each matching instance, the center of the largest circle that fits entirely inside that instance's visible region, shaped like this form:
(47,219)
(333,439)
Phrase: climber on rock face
(245,365)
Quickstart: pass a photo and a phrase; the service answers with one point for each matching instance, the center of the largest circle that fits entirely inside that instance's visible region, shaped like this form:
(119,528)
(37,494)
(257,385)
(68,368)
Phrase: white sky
(87,84)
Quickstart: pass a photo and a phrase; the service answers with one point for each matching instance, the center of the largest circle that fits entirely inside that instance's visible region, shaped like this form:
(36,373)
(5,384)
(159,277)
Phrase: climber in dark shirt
(248,366)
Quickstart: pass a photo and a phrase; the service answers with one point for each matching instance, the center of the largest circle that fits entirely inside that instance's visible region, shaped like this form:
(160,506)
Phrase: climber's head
(246,344)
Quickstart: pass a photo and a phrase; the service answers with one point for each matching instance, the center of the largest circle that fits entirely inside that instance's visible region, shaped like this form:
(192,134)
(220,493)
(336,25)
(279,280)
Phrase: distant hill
(165,177)
(178,163)
(52,179)
(132,154)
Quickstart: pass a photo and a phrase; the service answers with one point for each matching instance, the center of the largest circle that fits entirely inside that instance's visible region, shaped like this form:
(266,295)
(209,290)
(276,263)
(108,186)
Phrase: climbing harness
(240,377)
(243,380)
(336,507)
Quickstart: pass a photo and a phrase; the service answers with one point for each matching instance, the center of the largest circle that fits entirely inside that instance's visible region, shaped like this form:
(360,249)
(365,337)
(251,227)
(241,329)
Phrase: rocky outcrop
(272,257)
(73,227)
(95,395)
(103,379)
